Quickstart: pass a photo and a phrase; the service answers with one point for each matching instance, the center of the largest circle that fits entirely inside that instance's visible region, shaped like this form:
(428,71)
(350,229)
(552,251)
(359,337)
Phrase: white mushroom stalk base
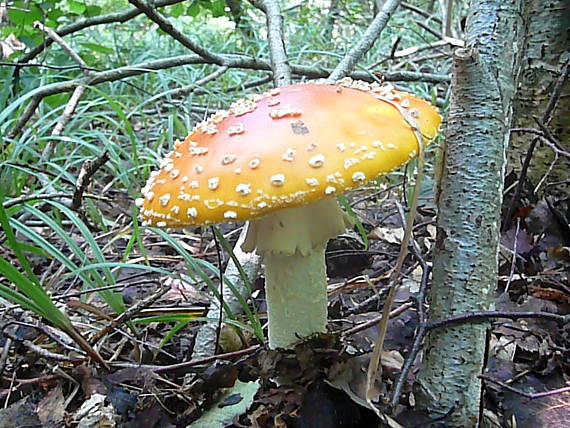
(292,243)
(296,292)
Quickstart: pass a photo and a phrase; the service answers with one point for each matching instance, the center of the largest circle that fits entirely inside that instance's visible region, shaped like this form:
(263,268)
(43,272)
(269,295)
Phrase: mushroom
(280,159)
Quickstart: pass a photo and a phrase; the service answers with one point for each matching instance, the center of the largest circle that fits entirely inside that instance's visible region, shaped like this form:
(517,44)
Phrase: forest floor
(320,384)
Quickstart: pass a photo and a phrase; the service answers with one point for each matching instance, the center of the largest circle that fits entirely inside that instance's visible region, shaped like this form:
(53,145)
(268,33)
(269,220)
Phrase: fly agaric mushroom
(279,159)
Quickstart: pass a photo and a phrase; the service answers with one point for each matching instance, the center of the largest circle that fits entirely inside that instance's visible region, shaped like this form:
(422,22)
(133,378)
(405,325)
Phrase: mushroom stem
(292,243)
(295,287)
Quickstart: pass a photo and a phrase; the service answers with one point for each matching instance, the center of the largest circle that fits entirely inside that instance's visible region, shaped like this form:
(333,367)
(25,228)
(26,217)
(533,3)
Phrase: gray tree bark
(469,205)
(545,51)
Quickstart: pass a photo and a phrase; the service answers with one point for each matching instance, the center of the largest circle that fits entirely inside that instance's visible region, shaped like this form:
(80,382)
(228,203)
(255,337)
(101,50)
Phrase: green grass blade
(343,201)
(13,243)
(37,299)
(253,318)
(194,266)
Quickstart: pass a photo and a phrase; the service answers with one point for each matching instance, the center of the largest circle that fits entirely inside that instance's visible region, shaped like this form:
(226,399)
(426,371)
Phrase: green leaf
(54,14)
(193,10)
(218,8)
(176,10)
(24,13)
(76,7)
(57,100)
(14,243)
(221,416)
(93,10)
(97,47)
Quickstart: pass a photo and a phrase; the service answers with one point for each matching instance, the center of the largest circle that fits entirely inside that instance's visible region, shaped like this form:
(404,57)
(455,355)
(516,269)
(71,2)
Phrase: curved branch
(365,43)
(177,35)
(230,61)
(90,22)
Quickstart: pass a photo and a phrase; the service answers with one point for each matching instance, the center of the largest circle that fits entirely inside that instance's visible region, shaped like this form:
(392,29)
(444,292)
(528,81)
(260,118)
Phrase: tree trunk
(545,50)
(469,205)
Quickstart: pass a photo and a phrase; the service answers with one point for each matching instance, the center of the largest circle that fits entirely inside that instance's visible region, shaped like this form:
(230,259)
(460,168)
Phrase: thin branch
(365,44)
(546,116)
(49,196)
(374,367)
(25,116)
(547,139)
(89,22)
(463,318)
(279,62)
(374,321)
(448,18)
(531,396)
(41,351)
(88,168)
(168,28)
(420,299)
(53,67)
(129,313)
(56,38)
(231,61)
(551,141)
(63,120)
(189,364)
(420,12)
(429,29)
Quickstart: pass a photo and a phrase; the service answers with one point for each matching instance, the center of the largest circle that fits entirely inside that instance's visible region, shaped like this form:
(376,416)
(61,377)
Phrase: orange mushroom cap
(285,148)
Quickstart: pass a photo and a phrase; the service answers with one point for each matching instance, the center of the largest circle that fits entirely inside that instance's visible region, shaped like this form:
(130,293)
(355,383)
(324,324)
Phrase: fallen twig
(483,316)
(88,168)
(129,314)
(374,321)
(531,396)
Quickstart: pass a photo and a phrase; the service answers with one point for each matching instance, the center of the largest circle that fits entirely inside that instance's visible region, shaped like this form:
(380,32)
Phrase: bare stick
(129,313)
(189,364)
(374,321)
(55,37)
(374,367)
(88,168)
(420,12)
(41,351)
(421,331)
(528,395)
(25,116)
(49,196)
(231,61)
(483,316)
(366,42)
(63,120)
(448,18)
(76,96)
(279,61)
